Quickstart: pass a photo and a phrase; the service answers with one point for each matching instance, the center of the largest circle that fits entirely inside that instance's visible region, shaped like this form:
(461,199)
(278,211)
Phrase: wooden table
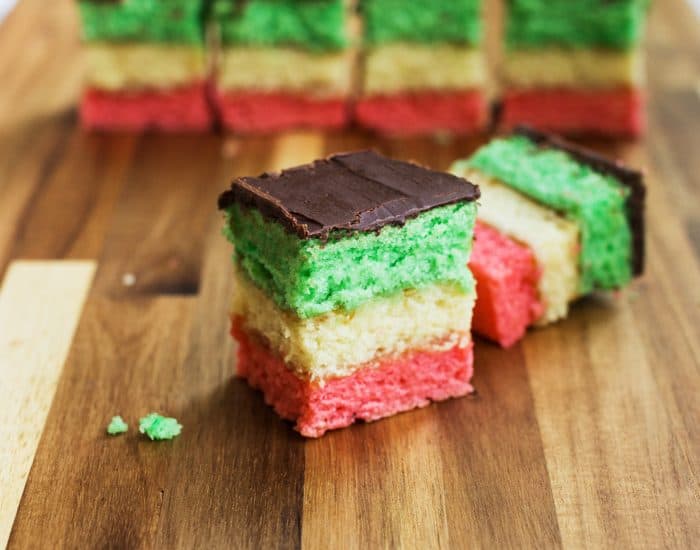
(584,435)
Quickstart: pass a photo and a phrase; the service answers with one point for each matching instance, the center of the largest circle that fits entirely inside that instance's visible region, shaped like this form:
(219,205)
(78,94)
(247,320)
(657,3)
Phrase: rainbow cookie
(283,64)
(575,66)
(145,65)
(507,276)
(423,69)
(352,296)
(579,215)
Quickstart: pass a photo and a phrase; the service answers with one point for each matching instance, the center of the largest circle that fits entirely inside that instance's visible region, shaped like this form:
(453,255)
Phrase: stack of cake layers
(556,222)
(423,69)
(145,65)
(575,66)
(282,64)
(353,298)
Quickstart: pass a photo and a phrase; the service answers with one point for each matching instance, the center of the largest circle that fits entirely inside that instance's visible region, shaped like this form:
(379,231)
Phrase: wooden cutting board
(584,435)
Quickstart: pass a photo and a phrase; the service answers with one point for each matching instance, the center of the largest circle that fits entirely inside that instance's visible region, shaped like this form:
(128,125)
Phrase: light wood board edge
(40,306)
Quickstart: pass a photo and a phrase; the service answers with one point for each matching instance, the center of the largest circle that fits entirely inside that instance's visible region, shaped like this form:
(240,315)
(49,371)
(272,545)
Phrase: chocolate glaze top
(360,191)
(632,179)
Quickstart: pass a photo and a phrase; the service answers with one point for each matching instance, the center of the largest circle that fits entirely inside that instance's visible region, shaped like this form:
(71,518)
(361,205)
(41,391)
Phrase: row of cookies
(259,66)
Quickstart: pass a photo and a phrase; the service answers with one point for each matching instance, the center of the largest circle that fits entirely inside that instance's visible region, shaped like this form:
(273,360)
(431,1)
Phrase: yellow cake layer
(335,344)
(285,70)
(139,66)
(589,69)
(553,239)
(404,67)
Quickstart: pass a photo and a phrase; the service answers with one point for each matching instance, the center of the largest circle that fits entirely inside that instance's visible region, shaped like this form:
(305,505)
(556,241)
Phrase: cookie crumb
(117,426)
(158,427)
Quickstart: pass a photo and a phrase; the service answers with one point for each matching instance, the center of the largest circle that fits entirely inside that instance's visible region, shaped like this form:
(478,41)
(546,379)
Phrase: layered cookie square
(282,64)
(145,65)
(575,66)
(423,67)
(566,221)
(353,297)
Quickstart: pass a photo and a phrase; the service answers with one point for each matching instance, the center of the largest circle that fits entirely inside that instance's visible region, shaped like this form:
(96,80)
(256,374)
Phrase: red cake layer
(253,112)
(611,113)
(423,113)
(379,389)
(180,110)
(506,285)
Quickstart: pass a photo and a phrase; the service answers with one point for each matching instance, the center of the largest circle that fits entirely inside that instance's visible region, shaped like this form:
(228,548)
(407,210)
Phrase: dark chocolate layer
(632,179)
(360,191)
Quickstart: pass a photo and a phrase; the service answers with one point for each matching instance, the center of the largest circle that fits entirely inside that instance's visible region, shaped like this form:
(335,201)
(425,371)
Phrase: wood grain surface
(585,435)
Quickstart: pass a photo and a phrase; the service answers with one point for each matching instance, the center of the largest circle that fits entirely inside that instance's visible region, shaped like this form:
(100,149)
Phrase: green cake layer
(311,277)
(597,202)
(615,24)
(169,21)
(316,25)
(423,21)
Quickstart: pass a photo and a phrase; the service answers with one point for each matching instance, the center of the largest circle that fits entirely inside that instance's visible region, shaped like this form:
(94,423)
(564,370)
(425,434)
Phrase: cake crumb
(129,279)
(230,148)
(117,426)
(158,427)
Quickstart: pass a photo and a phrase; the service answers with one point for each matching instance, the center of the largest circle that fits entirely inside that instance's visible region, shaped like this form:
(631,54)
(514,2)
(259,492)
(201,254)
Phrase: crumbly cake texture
(617,24)
(326,75)
(171,21)
(353,297)
(423,113)
(379,389)
(158,428)
(314,25)
(143,66)
(404,67)
(311,277)
(507,275)
(595,200)
(422,21)
(182,109)
(617,112)
(333,344)
(117,426)
(343,267)
(263,113)
(586,69)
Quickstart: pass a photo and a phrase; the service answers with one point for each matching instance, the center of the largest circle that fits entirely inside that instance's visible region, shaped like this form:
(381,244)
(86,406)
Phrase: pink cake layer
(611,113)
(423,113)
(180,110)
(255,113)
(506,276)
(376,390)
